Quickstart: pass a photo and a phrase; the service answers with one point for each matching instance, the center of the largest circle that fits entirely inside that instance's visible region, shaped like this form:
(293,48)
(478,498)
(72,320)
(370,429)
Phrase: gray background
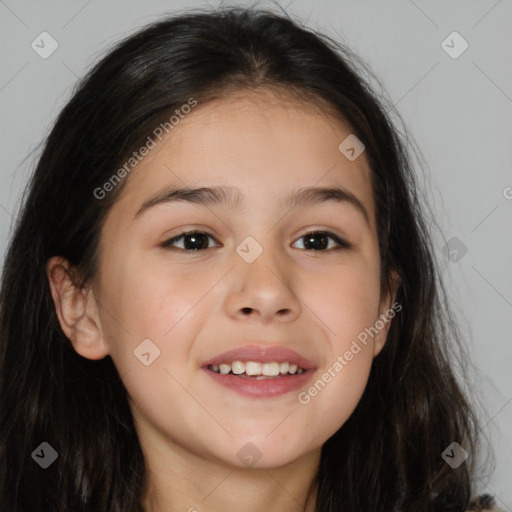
(458,110)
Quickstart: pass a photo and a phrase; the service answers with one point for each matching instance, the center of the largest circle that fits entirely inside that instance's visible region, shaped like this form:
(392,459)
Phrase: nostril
(246,310)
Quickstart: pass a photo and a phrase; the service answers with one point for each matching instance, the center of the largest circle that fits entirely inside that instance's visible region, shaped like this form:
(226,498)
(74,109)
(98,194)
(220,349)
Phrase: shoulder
(483,503)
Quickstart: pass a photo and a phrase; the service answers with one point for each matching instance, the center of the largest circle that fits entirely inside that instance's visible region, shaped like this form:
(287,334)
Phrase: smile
(260,371)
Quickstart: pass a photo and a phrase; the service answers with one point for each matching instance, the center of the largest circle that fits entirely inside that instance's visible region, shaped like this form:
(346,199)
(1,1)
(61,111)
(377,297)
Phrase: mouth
(260,372)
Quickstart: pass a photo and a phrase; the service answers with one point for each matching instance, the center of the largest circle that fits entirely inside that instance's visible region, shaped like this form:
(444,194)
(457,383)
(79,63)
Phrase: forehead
(263,143)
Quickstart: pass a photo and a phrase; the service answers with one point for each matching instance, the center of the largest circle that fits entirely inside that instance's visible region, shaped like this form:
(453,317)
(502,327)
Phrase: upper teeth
(253,368)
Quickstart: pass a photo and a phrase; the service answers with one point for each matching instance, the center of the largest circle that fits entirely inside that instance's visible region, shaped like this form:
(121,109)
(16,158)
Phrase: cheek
(161,316)
(347,303)
(339,384)
(150,303)
(346,300)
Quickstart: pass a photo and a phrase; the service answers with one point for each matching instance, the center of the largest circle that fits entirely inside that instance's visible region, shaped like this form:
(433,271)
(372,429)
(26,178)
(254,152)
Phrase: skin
(191,304)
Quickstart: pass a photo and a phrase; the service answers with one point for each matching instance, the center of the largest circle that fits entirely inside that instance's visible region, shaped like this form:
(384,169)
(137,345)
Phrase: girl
(299,358)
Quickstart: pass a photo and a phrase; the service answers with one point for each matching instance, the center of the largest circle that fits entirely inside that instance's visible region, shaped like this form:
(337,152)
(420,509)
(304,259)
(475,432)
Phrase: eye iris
(311,237)
(196,241)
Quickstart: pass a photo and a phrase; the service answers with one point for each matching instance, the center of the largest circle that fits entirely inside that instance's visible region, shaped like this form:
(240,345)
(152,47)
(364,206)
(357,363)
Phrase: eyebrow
(233,198)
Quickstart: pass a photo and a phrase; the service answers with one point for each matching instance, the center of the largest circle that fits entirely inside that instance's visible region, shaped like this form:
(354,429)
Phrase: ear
(77,310)
(388,309)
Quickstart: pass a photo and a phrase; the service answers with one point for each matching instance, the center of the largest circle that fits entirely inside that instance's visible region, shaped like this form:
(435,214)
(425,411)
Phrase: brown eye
(193,241)
(319,241)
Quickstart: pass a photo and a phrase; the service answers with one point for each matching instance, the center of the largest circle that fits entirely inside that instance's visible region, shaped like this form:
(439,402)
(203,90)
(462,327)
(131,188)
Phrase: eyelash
(342,244)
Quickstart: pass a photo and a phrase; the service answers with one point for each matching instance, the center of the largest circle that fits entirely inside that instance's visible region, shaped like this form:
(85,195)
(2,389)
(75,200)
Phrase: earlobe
(76,310)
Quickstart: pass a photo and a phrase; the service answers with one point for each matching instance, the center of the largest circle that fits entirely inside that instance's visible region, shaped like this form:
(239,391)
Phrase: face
(274,282)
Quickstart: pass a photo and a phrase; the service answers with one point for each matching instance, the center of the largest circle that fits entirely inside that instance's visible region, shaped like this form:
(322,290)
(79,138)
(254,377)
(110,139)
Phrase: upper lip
(261,354)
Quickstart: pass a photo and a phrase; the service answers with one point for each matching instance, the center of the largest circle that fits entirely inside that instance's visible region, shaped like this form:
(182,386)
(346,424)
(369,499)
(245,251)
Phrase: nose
(264,290)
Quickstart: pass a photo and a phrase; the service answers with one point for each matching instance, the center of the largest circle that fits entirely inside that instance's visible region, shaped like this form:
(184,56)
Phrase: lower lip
(262,388)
